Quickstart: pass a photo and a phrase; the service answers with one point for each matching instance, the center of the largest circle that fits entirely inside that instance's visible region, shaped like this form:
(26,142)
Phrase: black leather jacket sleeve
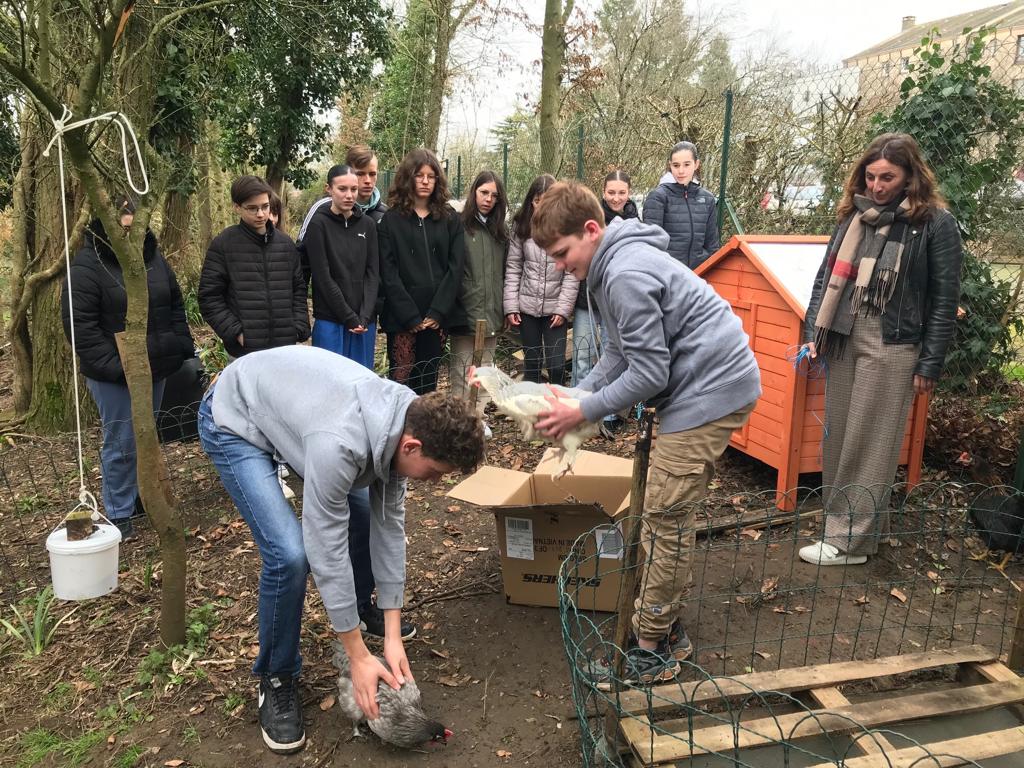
(816,292)
(944,254)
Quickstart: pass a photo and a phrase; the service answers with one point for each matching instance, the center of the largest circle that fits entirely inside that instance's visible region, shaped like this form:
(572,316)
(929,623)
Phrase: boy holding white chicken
(677,345)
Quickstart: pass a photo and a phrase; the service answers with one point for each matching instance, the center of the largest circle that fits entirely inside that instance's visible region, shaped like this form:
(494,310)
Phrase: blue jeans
(249,475)
(117,455)
(585,348)
(584,345)
(337,338)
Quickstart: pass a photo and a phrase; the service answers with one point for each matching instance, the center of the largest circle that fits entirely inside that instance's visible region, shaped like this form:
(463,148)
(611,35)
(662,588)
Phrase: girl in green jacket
(486,243)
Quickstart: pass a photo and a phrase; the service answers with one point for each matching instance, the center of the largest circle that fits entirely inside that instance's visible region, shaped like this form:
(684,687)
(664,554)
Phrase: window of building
(1020,47)
(1018,86)
(905,64)
(887,67)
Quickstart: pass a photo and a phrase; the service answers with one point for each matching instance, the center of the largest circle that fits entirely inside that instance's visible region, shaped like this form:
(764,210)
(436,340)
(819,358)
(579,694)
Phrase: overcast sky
(825,31)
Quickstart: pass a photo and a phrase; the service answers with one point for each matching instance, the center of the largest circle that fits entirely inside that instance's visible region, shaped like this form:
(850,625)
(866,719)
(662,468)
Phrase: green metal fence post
(726,131)
(504,164)
(579,154)
(458,176)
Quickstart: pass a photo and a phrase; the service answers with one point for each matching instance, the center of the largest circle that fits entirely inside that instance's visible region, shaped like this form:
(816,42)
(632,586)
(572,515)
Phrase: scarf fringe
(831,344)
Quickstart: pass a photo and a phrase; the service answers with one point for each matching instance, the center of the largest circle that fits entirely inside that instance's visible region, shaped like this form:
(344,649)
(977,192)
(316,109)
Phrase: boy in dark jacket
(251,290)
(100,304)
(677,345)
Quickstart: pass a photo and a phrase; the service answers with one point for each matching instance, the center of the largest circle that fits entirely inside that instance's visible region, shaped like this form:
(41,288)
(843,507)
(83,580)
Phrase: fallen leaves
(327,703)
(862,600)
(898,594)
(503,753)
(454,681)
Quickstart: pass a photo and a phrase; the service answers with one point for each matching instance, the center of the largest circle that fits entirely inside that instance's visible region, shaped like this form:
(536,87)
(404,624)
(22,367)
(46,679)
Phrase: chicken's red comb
(447,734)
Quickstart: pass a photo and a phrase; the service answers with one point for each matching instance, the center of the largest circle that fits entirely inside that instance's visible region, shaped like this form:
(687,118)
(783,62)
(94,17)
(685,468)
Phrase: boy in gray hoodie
(678,346)
(340,427)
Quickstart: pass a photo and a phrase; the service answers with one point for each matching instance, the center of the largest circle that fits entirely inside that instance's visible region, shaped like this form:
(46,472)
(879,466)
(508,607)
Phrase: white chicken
(526,401)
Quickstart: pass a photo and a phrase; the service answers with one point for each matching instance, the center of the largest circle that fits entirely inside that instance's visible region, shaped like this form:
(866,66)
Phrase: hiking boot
(127,529)
(649,667)
(281,714)
(643,668)
(679,646)
(371,624)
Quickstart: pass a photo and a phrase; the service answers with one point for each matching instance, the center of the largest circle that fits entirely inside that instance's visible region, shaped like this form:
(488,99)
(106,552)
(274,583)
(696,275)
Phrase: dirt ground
(496,674)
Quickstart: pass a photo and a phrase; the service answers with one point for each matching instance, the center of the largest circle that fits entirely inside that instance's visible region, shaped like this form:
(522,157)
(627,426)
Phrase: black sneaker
(679,644)
(371,624)
(281,714)
(127,529)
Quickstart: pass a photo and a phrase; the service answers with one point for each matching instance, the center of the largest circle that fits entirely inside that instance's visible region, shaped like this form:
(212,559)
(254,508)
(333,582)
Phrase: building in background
(883,66)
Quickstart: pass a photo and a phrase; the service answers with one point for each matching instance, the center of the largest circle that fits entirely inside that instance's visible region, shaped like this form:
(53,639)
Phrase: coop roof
(1001,16)
(788,262)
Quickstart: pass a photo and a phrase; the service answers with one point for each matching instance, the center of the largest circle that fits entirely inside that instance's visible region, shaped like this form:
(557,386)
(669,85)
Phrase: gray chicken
(402,721)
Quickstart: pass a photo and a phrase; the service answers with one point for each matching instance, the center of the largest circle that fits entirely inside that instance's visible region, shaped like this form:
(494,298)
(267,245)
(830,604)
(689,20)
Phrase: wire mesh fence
(767,630)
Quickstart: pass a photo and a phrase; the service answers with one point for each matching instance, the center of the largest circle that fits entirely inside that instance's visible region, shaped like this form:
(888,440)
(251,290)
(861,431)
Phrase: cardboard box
(539,519)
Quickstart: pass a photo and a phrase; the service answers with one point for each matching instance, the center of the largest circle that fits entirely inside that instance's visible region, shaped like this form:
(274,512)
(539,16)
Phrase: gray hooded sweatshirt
(338,425)
(675,343)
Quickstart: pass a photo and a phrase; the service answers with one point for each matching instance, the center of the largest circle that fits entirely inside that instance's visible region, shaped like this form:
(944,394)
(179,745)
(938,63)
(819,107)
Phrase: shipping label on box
(539,519)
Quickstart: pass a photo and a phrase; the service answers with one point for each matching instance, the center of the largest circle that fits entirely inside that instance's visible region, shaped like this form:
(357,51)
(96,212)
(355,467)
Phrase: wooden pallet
(984,684)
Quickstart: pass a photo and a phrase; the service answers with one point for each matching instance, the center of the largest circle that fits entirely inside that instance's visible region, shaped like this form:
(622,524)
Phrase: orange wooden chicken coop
(768,279)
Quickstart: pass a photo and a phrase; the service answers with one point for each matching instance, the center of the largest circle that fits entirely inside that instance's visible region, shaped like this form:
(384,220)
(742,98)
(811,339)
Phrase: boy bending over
(340,427)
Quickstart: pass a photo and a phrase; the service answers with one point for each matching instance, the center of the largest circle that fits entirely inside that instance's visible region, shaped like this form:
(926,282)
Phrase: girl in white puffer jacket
(539,298)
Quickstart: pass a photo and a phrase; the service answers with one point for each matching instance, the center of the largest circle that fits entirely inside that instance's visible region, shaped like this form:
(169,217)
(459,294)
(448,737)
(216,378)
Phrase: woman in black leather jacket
(882,314)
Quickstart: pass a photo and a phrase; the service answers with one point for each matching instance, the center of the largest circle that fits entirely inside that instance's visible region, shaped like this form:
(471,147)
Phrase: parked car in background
(796,198)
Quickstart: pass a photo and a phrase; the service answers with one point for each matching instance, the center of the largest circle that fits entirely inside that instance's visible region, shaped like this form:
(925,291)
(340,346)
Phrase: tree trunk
(552,60)
(443,31)
(176,233)
(17,326)
(137,79)
(205,194)
(35,320)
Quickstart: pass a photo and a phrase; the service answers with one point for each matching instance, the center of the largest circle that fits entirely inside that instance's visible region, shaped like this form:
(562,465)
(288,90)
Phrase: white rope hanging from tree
(61,126)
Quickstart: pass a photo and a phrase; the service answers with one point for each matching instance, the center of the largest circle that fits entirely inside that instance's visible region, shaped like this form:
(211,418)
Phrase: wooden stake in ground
(630,557)
(478,356)
(1016,658)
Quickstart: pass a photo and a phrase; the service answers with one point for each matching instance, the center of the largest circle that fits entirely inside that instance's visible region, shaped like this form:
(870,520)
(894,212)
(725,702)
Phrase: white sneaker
(820,553)
(487,431)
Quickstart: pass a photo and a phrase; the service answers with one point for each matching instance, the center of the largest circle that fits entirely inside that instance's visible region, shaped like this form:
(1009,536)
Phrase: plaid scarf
(862,269)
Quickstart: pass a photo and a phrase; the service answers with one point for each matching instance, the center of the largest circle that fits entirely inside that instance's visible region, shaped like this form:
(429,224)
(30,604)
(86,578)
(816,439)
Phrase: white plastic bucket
(87,568)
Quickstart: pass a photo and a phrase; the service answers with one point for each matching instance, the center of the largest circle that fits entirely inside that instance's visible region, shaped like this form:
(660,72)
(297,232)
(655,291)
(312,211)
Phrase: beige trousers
(867,399)
(682,465)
